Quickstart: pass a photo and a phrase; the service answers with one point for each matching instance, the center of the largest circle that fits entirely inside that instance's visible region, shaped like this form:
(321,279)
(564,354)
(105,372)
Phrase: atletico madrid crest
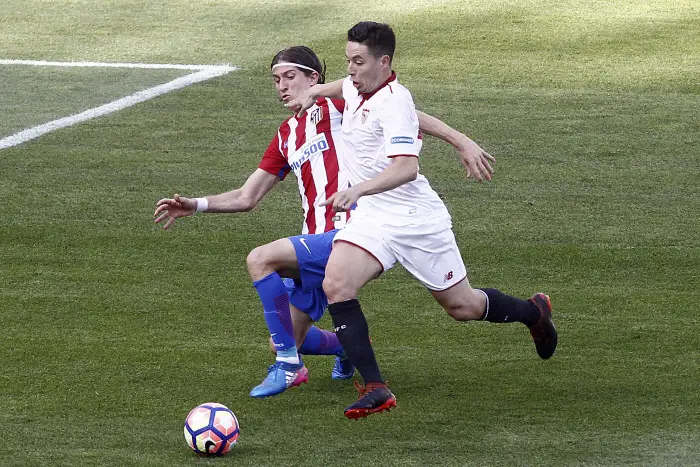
(316,116)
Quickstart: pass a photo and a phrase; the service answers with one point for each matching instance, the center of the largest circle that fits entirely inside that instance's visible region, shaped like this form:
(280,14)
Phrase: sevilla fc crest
(365,114)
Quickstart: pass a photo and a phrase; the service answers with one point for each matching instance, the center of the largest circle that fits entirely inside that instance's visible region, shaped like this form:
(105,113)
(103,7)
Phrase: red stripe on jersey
(330,161)
(284,138)
(307,178)
(339,104)
(273,161)
(403,155)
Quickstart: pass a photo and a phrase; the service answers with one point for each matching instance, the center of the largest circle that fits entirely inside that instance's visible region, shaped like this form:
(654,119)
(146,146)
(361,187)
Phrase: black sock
(502,308)
(352,331)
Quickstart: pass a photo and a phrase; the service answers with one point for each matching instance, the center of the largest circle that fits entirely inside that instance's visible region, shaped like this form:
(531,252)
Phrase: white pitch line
(205,73)
(152,66)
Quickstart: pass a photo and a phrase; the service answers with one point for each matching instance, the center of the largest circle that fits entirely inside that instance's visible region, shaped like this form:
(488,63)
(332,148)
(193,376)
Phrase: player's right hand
(169,209)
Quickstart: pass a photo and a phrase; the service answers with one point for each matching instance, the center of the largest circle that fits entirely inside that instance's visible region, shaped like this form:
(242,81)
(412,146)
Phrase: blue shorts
(306,293)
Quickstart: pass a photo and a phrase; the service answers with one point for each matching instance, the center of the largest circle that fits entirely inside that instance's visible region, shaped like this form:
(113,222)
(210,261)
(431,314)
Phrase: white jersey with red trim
(307,146)
(377,127)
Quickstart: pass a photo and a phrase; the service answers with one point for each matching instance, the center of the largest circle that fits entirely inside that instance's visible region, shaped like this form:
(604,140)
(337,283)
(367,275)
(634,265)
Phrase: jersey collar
(367,95)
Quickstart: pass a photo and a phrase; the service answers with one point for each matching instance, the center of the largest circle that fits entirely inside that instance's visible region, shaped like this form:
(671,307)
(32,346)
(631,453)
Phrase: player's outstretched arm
(241,200)
(308,98)
(474,159)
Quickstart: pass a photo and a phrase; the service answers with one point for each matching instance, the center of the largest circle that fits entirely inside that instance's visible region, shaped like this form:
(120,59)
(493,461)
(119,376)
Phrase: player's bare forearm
(403,169)
(240,200)
(333,89)
(308,98)
(231,201)
(435,127)
(245,198)
(474,159)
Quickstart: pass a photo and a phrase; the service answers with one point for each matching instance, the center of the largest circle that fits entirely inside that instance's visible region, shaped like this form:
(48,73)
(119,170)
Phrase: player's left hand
(342,200)
(475,160)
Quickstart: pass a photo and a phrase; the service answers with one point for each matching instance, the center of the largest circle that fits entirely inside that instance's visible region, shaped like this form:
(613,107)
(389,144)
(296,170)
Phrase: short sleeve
(273,160)
(399,123)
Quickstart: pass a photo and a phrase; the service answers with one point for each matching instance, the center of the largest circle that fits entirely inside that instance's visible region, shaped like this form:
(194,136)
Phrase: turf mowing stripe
(205,72)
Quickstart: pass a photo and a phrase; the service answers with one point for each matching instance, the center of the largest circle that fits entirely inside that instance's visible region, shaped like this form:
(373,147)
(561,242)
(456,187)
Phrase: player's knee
(337,290)
(257,262)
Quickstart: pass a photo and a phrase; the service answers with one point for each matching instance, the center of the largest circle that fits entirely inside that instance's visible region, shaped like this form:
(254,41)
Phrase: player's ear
(385,61)
(314,78)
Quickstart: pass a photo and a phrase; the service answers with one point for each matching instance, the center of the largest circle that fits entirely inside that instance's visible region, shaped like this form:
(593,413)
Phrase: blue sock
(320,342)
(275,301)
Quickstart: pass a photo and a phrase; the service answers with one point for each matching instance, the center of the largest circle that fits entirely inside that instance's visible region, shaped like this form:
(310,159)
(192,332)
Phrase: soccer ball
(211,429)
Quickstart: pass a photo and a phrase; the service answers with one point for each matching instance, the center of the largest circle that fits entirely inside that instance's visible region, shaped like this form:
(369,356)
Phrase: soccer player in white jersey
(305,145)
(399,218)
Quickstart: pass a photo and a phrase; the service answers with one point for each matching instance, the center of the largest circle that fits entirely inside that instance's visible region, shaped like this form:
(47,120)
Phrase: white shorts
(428,251)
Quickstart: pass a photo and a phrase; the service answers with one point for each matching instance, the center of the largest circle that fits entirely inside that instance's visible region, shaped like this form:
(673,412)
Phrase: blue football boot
(342,369)
(280,377)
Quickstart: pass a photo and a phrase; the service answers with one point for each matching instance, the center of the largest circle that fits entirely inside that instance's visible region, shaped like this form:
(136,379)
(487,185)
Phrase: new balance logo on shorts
(449,276)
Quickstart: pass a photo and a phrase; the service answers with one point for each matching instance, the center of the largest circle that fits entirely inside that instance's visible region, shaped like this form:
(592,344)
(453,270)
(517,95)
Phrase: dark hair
(303,56)
(378,37)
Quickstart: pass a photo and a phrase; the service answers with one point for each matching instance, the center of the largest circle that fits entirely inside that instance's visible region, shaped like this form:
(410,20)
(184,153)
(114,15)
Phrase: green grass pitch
(111,330)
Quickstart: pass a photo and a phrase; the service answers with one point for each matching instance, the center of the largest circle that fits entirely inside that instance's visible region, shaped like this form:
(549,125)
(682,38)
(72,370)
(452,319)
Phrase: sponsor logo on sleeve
(401,140)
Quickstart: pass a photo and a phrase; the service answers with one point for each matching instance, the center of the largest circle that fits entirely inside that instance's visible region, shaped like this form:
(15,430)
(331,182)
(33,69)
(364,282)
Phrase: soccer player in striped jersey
(307,145)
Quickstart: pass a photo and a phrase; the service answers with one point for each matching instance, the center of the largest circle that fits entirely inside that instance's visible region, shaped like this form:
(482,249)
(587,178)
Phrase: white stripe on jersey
(291,148)
(318,172)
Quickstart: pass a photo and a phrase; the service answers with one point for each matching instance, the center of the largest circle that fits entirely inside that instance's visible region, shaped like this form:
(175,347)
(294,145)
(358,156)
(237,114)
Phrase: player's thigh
(279,256)
(349,268)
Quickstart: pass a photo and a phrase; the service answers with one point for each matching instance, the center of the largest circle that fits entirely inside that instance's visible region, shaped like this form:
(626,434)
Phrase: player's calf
(461,302)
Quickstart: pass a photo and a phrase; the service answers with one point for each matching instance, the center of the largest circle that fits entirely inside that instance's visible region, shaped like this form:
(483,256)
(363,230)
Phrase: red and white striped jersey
(307,145)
